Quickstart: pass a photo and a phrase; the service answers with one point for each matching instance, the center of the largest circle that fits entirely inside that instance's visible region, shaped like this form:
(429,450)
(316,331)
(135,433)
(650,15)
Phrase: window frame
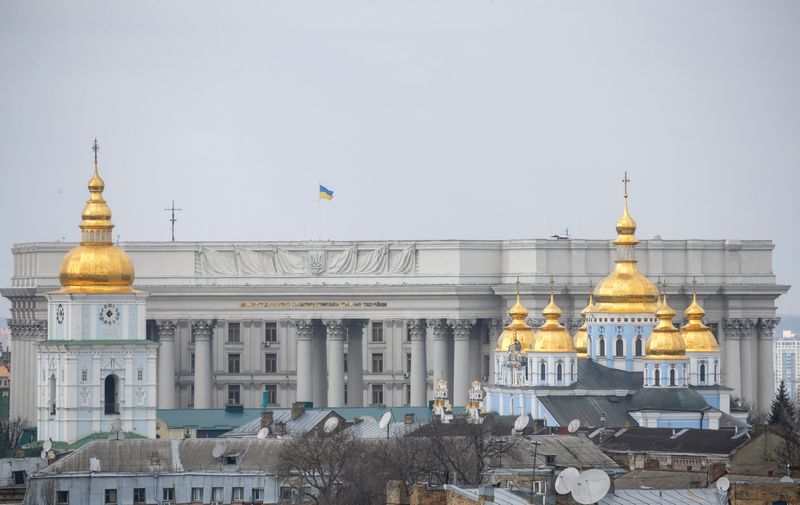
(110,492)
(377,362)
(377,394)
(270,357)
(272,390)
(270,332)
(237,389)
(234,358)
(143,495)
(234,333)
(62,497)
(377,335)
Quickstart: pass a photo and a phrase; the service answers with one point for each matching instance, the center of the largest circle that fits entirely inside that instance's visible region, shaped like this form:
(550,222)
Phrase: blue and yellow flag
(325,193)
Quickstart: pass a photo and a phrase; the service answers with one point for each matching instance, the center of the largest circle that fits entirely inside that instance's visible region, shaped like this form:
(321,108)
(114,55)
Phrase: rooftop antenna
(173,218)
(591,486)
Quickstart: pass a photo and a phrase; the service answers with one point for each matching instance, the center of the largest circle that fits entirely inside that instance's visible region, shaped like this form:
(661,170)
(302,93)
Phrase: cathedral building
(341,323)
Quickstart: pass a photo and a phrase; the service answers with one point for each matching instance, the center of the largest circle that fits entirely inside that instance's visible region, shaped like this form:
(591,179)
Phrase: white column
(495,329)
(319,374)
(166,364)
(202,331)
(748,360)
(419,373)
(303,329)
(335,352)
(766,372)
(355,363)
(438,331)
(731,373)
(462,329)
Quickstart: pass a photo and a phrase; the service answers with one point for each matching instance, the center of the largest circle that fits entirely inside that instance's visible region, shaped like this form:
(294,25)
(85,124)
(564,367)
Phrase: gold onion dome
(665,342)
(96,265)
(581,339)
(625,289)
(518,330)
(697,336)
(551,336)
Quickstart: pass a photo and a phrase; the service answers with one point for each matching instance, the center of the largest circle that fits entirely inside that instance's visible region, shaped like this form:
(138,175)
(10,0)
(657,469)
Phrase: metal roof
(309,420)
(206,419)
(668,497)
(569,450)
(372,429)
(661,479)
(588,410)
(685,441)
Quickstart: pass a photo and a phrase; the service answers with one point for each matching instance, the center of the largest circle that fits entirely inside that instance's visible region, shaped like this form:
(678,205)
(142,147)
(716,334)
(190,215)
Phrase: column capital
(437,328)
(166,329)
(574,323)
(496,327)
(534,322)
(304,327)
(416,329)
(202,329)
(462,328)
(767,327)
(334,329)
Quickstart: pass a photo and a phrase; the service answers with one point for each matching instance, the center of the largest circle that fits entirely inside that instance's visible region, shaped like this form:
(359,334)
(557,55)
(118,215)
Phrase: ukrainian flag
(325,193)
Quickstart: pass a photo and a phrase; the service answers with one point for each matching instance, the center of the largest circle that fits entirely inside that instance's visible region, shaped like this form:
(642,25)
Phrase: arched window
(619,347)
(542,372)
(702,371)
(672,376)
(716,373)
(559,372)
(638,345)
(572,371)
(53,395)
(588,345)
(111,396)
(657,377)
(601,346)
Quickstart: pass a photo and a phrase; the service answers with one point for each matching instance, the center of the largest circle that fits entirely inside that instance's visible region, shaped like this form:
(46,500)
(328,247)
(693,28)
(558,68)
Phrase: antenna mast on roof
(173,218)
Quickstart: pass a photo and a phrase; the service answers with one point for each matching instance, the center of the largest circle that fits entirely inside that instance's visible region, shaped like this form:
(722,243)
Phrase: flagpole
(319,213)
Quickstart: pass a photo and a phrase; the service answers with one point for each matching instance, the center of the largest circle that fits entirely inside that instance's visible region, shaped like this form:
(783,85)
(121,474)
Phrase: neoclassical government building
(377,322)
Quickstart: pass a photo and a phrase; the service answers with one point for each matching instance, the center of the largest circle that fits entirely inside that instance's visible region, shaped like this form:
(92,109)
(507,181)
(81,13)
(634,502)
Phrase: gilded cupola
(552,336)
(697,336)
(518,330)
(96,265)
(581,339)
(665,342)
(625,289)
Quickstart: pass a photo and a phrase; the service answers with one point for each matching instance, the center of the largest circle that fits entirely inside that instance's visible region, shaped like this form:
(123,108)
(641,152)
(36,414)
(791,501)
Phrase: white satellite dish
(219,449)
(566,480)
(385,419)
(368,419)
(263,433)
(574,425)
(48,444)
(591,486)
(723,484)
(521,423)
(786,479)
(331,424)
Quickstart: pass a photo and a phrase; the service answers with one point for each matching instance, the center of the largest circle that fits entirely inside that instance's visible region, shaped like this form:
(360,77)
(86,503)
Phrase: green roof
(100,435)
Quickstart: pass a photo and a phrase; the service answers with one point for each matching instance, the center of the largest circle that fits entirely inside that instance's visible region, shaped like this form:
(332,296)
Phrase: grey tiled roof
(659,497)
(723,441)
(588,410)
(306,422)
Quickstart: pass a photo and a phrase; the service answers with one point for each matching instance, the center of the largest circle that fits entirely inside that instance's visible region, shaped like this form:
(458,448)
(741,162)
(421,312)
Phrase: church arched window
(559,372)
(601,346)
(588,345)
(572,371)
(702,371)
(657,376)
(542,372)
(619,347)
(84,374)
(111,394)
(140,374)
(672,376)
(53,394)
(716,372)
(638,345)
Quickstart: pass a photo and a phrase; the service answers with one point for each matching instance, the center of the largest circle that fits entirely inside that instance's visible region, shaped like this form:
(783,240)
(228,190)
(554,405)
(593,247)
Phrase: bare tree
(11,431)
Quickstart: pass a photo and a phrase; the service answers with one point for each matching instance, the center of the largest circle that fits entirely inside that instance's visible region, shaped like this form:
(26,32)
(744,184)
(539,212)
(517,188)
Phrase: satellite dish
(263,433)
(368,419)
(591,486)
(786,479)
(565,482)
(723,484)
(513,432)
(48,444)
(574,425)
(219,449)
(385,419)
(521,423)
(331,424)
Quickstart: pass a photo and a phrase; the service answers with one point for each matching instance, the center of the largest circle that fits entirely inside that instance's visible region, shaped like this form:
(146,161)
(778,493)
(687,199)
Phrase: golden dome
(551,336)
(696,336)
(625,289)
(665,342)
(97,265)
(517,330)
(581,339)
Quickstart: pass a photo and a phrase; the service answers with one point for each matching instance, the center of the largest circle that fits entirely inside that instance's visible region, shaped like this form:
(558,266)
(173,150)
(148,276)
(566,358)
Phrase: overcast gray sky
(429,119)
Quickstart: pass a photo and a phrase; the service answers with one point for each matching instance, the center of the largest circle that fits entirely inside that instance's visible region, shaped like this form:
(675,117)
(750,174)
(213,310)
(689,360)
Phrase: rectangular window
(19,477)
(345,394)
(377,394)
(258,494)
(216,494)
(140,374)
(345,362)
(272,393)
(168,493)
(237,494)
(197,494)
(62,498)
(138,495)
(408,362)
(234,333)
(191,362)
(191,395)
(408,394)
(540,487)
(233,394)
(84,375)
(270,332)
(377,362)
(270,363)
(233,363)
(485,366)
(286,493)
(111,497)
(377,332)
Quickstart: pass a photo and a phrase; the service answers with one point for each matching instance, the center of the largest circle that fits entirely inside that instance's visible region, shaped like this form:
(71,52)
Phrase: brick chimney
(280,428)
(298,409)
(266,418)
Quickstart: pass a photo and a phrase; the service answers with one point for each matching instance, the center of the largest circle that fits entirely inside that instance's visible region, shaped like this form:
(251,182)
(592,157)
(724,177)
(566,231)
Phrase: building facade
(787,363)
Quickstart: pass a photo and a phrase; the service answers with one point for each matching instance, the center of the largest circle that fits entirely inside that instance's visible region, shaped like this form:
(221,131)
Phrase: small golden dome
(97,265)
(551,336)
(665,342)
(518,330)
(581,339)
(697,336)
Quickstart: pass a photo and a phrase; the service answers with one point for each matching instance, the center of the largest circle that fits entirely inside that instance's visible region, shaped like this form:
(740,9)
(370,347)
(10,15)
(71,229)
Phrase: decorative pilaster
(462,329)
(748,355)
(202,330)
(355,362)
(335,331)
(766,368)
(495,329)
(166,363)
(731,375)
(438,331)
(419,389)
(304,331)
